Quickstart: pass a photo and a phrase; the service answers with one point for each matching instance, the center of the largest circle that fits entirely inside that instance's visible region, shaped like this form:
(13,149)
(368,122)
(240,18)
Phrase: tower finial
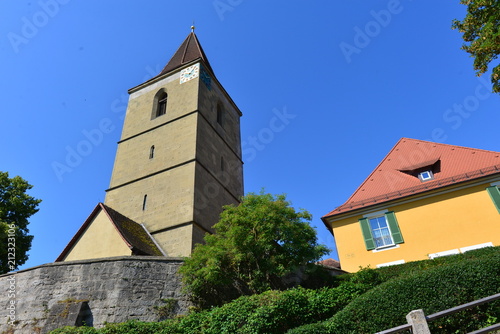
(193,27)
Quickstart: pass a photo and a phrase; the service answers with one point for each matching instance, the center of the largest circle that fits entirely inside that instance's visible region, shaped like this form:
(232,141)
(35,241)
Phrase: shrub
(273,311)
(256,245)
(129,327)
(315,328)
(75,330)
(390,272)
(432,290)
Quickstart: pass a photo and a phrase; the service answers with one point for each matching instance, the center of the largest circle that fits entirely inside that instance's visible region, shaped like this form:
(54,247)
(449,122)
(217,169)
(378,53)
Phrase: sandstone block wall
(116,290)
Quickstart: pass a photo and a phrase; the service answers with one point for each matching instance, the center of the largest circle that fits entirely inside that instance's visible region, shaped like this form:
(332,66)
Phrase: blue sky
(352,78)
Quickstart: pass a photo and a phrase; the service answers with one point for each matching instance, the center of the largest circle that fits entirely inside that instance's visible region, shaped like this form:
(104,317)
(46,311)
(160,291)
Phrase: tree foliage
(481,33)
(255,245)
(16,206)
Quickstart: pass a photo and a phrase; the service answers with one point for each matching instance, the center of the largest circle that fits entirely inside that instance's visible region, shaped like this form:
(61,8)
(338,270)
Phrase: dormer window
(426,176)
(423,171)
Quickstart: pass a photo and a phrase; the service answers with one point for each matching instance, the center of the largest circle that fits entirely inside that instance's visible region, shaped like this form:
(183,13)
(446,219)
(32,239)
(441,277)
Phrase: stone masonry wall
(115,290)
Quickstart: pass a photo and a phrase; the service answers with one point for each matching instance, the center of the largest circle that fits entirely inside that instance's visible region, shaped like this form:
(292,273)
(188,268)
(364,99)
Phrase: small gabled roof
(397,175)
(329,263)
(135,235)
(189,50)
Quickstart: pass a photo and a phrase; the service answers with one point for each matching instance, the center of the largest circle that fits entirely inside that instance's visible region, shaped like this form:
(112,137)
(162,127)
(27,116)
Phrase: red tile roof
(330,263)
(397,175)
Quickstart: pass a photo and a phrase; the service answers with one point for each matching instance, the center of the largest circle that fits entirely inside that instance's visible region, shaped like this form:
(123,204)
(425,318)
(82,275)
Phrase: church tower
(179,157)
(177,164)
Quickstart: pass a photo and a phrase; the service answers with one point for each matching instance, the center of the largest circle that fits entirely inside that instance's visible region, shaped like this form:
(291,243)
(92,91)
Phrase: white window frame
(379,214)
(423,179)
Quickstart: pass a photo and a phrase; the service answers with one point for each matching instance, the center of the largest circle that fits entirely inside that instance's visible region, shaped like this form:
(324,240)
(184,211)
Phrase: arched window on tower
(152,152)
(220,114)
(161,103)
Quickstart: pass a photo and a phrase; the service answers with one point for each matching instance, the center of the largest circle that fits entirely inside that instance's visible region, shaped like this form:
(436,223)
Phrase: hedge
(432,290)
(315,328)
(410,268)
(272,311)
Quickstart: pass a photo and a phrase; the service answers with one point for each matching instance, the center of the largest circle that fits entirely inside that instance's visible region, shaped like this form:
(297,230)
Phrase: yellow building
(423,200)
(177,164)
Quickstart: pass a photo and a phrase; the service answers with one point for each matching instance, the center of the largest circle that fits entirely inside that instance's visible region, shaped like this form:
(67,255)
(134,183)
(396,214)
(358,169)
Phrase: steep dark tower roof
(189,50)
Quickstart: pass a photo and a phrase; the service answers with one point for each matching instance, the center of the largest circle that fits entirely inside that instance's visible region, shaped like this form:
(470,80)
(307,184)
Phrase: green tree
(16,206)
(481,33)
(255,245)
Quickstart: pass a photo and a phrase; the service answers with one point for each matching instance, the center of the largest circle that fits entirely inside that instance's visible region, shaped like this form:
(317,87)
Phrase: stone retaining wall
(117,289)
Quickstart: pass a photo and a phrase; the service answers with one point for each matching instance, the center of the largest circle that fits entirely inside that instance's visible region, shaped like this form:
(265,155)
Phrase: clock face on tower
(189,73)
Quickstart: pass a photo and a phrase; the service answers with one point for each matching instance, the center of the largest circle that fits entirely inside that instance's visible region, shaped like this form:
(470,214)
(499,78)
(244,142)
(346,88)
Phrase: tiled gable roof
(136,236)
(189,50)
(133,234)
(397,175)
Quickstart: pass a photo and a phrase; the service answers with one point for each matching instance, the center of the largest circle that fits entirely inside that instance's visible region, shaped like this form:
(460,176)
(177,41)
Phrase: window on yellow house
(381,231)
(494,193)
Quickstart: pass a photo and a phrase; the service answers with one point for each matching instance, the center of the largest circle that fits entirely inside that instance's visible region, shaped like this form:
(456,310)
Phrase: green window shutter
(495,196)
(367,234)
(393,225)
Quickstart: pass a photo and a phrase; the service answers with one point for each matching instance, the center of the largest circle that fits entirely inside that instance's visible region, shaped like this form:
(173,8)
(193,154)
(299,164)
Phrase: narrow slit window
(222,164)
(220,114)
(152,152)
(144,202)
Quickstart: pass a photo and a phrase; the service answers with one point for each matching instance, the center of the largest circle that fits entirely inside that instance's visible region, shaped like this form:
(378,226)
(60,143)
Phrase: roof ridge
(449,145)
(131,237)
(118,229)
(78,233)
(186,48)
